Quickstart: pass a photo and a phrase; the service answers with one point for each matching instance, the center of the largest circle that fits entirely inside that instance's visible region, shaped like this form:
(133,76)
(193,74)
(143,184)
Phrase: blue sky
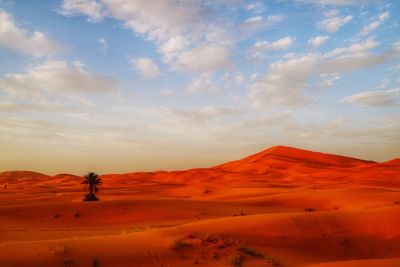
(118,85)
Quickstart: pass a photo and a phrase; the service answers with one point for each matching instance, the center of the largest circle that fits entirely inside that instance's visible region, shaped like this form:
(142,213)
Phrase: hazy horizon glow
(117,86)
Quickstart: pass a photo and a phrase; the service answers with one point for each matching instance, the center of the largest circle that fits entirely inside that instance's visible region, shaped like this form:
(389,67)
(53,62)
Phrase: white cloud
(331,13)
(260,47)
(254,75)
(327,80)
(266,120)
(203,58)
(265,46)
(91,8)
(254,19)
(339,122)
(146,68)
(13,37)
(333,24)
(384,83)
(287,82)
(204,114)
(374,24)
(172,47)
(317,41)
(283,84)
(103,45)
(256,7)
(259,22)
(55,77)
(375,98)
(356,49)
(53,86)
(178,29)
(159,19)
(239,78)
(253,23)
(166,92)
(334,2)
(204,83)
(183,31)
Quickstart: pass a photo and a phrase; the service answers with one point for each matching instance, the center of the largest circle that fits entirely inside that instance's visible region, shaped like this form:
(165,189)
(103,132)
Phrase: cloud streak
(13,37)
(375,98)
(286,82)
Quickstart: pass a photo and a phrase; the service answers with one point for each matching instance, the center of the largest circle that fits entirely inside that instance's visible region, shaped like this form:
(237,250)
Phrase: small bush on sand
(274,262)
(237,261)
(180,244)
(251,252)
(309,209)
(95,262)
(67,263)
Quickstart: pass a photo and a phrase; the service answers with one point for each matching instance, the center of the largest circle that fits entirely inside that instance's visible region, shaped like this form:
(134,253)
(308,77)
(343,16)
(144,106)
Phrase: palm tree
(91,180)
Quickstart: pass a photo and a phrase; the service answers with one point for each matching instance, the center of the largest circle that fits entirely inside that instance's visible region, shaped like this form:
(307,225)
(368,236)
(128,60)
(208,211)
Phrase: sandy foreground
(280,207)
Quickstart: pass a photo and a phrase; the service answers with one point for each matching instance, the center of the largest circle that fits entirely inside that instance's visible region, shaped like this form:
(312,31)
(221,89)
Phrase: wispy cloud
(52,86)
(375,98)
(93,9)
(332,25)
(146,68)
(375,24)
(103,45)
(286,82)
(318,41)
(19,39)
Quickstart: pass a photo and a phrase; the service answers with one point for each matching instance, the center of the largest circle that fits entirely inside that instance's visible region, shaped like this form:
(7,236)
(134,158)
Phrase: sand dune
(280,207)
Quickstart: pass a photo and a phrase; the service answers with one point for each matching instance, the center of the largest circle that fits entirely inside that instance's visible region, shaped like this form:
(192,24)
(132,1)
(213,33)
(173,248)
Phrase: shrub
(95,262)
(251,252)
(180,244)
(236,261)
(274,262)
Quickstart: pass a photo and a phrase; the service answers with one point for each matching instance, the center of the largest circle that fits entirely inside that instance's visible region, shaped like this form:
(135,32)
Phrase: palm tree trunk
(91,187)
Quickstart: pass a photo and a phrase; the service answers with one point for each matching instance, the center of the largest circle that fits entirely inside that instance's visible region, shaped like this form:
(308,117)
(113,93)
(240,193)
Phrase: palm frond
(91,180)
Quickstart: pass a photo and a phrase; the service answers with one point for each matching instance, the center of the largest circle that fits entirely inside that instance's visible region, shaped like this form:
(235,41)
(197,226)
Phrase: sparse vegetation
(180,244)
(214,247)
(66,256)
(207,191)
(251,252)
(241,213)
(67,263)
(345,243)
(274,262)
(91,181)
(236,261)
(95,262)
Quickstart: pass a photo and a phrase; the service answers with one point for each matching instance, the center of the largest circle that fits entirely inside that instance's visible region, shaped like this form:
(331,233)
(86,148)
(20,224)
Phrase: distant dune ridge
(275,160)
(280,207)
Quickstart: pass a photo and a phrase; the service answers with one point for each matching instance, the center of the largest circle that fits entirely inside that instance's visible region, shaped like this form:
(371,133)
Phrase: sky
(117,86)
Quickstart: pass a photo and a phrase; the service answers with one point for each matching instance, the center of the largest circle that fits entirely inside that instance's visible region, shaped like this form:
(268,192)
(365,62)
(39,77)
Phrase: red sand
(280,207)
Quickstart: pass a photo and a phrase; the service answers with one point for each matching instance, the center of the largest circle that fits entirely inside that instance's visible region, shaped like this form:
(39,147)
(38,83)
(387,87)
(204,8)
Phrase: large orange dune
(280,207)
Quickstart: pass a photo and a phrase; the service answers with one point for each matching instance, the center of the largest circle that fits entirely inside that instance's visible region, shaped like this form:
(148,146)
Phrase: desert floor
(280,207)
